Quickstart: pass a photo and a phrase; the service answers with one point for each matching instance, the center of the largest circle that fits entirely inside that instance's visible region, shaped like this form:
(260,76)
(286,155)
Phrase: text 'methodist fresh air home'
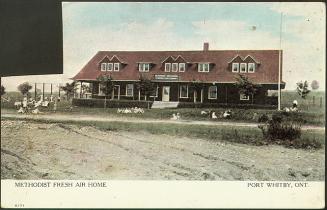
(174,72)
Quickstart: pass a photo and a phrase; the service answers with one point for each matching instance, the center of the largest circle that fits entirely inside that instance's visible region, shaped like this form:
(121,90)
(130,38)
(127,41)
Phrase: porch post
(51,89)
(194,96)
(201,95)
(226,94)
(178,89)
(80,90)
(119,92)
(139,95)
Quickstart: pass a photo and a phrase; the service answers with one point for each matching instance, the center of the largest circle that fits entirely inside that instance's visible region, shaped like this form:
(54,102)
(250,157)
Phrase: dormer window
(116,66)
(103,66)
(251,67)
(203,67)
(167,67)
(110,66)
(181,67)
(235,67)
(243,67)
(174,67)
(144,67)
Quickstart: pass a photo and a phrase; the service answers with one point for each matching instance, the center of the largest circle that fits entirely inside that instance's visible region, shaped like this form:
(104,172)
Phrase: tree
(85,89)
(3,90)
(146,86)
(24,88)
(246,87)
(314,85)
(106,86)
(195,86)
(69,89)
(302,89)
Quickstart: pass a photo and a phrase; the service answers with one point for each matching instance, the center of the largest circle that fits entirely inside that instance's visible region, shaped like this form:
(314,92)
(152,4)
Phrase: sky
(91,27)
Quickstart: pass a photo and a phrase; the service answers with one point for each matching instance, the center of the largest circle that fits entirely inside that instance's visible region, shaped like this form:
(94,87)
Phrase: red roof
(220,69)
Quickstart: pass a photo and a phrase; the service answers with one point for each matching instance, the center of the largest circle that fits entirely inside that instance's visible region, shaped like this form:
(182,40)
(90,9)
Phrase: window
(244,97)
(101,87)
(144,67)
(183,91)
(203,67)
(235,67)
(116,67)
(129,89)
(103,66)
(243,68)
(167,67)
(109,66)
(174,67)
(181,67)
(212,93)
(251,67)
(155,94)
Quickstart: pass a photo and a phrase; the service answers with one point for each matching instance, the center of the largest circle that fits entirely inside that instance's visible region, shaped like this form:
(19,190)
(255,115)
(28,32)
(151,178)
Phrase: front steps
(164,104)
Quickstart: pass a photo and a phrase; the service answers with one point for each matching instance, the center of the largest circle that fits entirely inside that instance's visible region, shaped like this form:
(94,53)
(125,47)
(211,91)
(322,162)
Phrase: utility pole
(280,60)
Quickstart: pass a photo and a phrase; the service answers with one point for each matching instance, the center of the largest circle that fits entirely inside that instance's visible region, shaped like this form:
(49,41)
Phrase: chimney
(206,46)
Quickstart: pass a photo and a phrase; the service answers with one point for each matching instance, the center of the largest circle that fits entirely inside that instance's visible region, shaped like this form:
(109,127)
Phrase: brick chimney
(206,46)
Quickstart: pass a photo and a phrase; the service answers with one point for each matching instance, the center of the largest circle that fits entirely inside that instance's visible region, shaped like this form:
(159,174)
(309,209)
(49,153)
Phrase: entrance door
(117,92)
(165,93)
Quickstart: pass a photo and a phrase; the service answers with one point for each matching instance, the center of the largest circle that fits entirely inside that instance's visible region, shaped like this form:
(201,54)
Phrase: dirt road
(62,151)
(125,118)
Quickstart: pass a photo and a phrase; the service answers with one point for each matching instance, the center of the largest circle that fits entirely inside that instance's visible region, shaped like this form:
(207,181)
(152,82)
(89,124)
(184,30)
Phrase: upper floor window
(181,67)
(144,67)
(110,66)
(235,67)
(174,67)
(167,67)
(243,67)
(251,67)
(203,67)
(116,66)
(183,91)
(212,93)
(103,66)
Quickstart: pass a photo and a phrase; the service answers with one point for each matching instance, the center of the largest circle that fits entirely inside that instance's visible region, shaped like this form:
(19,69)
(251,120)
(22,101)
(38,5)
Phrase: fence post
(35,93)
(313,100)
(42,91)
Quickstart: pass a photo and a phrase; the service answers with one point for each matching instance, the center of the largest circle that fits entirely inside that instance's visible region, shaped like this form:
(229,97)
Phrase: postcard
(172,105)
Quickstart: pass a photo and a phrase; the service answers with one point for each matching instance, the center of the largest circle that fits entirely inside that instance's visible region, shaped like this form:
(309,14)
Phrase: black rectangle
(31,37)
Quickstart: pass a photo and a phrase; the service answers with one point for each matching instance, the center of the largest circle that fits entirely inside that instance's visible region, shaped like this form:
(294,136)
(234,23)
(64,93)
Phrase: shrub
(223,105)
(99,103)
(281,130)
(263,118)
(278,129)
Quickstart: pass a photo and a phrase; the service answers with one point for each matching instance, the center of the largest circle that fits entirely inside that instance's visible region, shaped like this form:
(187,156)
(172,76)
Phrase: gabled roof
(267,72)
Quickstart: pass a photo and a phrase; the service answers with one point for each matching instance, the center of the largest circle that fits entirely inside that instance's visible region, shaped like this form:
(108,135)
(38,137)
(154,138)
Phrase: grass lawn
(245,135)
(310,111)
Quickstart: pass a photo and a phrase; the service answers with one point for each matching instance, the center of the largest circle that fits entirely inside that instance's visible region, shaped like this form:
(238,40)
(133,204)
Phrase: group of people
(227,114)
(31,105)
(294,107)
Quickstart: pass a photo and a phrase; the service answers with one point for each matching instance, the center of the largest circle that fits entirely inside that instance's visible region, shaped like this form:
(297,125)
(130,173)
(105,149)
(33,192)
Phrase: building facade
(204,76)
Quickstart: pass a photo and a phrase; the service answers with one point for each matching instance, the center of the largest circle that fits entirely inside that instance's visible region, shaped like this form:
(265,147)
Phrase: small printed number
(19,205)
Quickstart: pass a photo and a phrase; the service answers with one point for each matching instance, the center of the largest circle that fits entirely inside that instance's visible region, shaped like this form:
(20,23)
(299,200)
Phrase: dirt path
(66,117)
(62,151)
